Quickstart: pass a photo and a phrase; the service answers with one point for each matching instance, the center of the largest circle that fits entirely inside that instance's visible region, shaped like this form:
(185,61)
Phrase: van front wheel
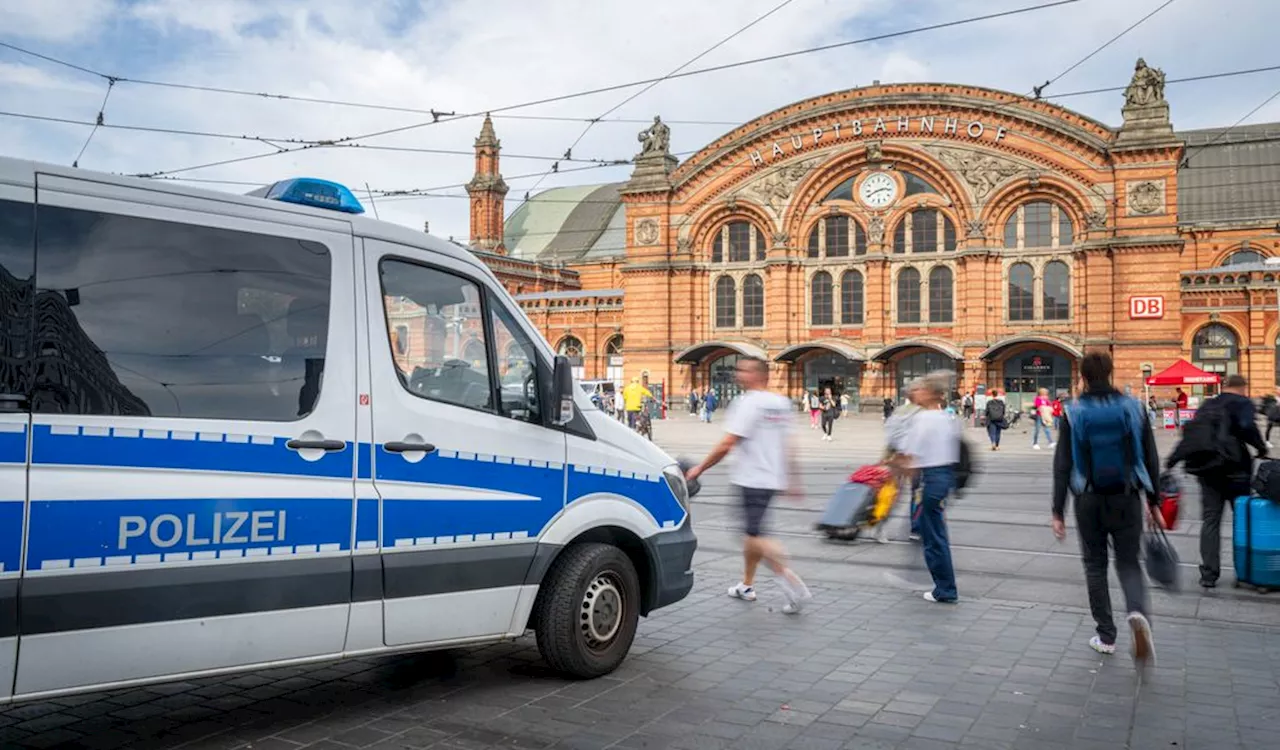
(587,610)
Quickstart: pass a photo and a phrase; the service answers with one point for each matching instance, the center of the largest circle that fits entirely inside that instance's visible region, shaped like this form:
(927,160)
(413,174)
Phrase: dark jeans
(937,483)
(827,421)
(1214,498)
(914,504)
(993,432)
(1119,519)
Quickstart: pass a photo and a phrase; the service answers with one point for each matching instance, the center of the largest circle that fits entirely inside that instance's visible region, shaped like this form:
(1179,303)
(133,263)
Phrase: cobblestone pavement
(869,665)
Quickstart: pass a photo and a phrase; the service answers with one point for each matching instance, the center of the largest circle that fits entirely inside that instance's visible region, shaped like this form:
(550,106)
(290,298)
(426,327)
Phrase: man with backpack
(1107,457)
(995,415)
(1214,449)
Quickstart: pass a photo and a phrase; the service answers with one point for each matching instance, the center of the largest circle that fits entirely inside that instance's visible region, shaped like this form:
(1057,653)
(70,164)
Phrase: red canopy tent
(1183,373)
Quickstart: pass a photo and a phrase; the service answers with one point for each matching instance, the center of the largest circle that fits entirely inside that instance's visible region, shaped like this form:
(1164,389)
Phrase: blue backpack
(1106,446)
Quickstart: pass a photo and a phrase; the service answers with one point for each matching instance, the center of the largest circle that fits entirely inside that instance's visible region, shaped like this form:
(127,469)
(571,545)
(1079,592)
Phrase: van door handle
(403,447)
(322,445)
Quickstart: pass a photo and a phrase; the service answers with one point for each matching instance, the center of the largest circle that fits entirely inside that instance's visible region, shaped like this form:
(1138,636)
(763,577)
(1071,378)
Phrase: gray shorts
(755,504)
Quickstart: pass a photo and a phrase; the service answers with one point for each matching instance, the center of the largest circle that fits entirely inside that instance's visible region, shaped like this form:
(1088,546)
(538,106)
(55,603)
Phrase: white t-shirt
(933,439)
(762,423)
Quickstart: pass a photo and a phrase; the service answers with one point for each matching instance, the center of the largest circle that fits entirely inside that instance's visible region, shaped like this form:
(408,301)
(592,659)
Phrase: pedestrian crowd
(1105,460)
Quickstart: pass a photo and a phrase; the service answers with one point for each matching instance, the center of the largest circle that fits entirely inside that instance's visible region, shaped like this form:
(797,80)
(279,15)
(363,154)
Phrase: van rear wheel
(587,610)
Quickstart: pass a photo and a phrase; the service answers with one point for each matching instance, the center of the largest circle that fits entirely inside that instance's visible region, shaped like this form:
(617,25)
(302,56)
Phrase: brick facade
(993,192)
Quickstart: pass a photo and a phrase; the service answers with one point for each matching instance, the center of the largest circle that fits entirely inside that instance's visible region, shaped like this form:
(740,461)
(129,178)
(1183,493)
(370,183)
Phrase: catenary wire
(649,87)
(1186,158)
(98,123)
(1106,44)
(616,87)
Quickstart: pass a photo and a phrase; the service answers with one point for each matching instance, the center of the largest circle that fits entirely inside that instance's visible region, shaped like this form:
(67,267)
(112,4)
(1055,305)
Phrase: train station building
(865,237)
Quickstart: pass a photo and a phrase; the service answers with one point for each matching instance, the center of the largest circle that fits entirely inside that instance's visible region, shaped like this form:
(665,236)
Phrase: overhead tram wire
(649,87)
(631,84)
(1106,44)
(1186,158)
(98,123)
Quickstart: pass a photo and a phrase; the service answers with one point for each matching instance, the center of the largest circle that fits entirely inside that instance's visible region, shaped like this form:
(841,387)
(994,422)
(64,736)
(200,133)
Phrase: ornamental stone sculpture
(656,138)
(1145,111)
(1147,86)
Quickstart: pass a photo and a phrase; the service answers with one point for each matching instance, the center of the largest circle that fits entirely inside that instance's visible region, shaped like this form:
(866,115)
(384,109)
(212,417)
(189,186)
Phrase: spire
(487,190)
(487,136)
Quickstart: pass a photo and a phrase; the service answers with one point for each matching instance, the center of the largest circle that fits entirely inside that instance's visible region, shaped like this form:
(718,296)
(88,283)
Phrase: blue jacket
(1066,475)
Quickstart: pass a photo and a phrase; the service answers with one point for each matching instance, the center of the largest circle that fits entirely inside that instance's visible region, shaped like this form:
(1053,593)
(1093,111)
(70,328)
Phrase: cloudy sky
(466,56)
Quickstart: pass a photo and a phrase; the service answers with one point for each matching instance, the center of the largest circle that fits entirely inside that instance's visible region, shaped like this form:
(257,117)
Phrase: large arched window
(924,230)
(1215,348)
(1039,224)
(752,301)
(909,296)
(571,348)
(613,347)
(820,313)
(851,298)
(941,295)
(1022,300)
(738,242)
(837,236)
(1241,257)
(1057,291)
(726,303)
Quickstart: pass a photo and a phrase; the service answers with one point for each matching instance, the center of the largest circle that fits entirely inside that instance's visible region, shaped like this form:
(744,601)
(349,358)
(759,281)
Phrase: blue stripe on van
(11,512)
(654,495)
(129,448)
(13,447)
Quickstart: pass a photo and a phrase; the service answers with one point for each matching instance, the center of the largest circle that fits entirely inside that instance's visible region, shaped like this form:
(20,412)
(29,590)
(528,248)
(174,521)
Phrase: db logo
(364,399)
(1146,307)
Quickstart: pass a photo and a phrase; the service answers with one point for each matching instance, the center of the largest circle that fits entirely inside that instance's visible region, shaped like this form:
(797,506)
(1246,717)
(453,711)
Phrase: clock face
(878,190)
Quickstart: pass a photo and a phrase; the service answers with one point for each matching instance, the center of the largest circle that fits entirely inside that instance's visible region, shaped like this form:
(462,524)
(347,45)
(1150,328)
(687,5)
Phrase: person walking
(1107,458)
(931,450)
(896,429)
(888,409)
(995,416)
(830,412)
(693,402)
(966,407)
(709,403)
(1043,419)
(1271,408)
(844,404)
(1229,478)
(633,397)
(758,433)
(815,409)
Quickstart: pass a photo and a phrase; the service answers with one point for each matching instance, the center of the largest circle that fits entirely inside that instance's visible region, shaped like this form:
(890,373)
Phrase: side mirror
(562,392)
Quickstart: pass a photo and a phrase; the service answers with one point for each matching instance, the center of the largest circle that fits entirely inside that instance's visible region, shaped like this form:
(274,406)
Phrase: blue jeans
(993,432)
(1040,427)
(914,505)
(938,481)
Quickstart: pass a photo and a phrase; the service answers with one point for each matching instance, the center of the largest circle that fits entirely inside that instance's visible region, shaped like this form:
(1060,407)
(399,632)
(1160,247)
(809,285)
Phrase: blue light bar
(308,191)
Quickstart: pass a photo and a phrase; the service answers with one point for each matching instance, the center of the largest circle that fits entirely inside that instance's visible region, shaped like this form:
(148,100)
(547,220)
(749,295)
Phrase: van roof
(22,173)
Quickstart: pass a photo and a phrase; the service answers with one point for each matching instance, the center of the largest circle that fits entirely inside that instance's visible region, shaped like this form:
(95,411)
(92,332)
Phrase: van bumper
(671,553)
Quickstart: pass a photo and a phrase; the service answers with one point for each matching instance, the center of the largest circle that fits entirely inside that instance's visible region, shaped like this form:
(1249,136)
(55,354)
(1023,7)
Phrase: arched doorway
(1215,349)
(722,373)
(918,364)
(826,364)
(1026,372)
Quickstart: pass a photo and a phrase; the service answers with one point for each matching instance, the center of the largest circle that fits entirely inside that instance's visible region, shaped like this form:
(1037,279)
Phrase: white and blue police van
(247,431)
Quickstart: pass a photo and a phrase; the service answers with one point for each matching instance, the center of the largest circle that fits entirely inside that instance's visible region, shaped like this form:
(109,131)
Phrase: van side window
(147,318)
(17,265)
(517,367)
(448,360)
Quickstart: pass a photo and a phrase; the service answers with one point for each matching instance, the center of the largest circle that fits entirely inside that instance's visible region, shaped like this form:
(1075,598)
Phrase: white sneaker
(1144,648)
(882,533)
(1269,445)
(795,591)
(1054,444)
(743,591)
(1036,446)
(1096,644)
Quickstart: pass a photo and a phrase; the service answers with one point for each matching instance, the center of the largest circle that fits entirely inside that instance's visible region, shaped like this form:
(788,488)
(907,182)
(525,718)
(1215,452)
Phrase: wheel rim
(603,607)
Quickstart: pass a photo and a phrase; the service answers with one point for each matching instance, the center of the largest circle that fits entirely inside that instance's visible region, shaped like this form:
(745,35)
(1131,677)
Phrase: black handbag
(1162,560)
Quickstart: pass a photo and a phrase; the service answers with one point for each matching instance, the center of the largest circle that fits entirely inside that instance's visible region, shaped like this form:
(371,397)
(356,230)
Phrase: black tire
(587,580)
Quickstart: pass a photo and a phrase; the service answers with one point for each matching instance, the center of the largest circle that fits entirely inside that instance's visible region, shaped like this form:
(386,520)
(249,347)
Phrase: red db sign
(1146,307)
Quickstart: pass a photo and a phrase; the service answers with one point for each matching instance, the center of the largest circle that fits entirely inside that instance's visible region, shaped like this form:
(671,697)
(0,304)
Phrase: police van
(248,431)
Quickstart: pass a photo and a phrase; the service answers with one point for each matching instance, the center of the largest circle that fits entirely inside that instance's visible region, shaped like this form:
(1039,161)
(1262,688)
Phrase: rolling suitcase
(1256,542)
(846,509)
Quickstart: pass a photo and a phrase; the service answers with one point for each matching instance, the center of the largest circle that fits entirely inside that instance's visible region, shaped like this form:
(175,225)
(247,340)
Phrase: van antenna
(371,201)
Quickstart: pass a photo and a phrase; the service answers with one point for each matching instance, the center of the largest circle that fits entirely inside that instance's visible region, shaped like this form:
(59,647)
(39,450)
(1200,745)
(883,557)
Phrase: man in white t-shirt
(758,432)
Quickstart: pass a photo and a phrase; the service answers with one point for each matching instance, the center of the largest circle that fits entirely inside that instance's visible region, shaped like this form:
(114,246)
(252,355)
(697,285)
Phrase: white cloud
(469,55)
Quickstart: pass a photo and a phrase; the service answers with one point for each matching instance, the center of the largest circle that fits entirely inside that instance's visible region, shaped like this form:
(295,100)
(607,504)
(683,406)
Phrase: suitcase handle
(1248,538)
